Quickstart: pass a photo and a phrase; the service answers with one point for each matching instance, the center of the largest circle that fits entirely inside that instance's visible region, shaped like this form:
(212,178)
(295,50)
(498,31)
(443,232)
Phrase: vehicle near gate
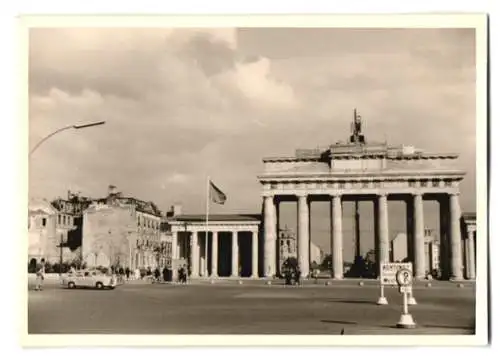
(88,279)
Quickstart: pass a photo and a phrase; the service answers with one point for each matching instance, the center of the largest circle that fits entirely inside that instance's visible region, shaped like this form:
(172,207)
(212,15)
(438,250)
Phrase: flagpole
(206,224)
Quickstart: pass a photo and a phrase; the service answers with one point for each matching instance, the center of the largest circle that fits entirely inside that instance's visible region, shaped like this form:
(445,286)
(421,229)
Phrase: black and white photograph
(215,176)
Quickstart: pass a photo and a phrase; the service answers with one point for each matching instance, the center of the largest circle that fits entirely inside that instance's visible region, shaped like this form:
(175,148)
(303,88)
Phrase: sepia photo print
(222,179)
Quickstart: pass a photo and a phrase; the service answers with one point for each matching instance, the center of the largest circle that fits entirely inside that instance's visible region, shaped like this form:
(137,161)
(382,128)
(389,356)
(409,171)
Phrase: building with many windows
(121,232)
(48,228)
(72,207)
(287,246)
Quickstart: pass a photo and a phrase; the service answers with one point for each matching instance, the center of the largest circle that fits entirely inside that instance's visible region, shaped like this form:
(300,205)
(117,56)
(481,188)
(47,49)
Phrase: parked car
(88,279)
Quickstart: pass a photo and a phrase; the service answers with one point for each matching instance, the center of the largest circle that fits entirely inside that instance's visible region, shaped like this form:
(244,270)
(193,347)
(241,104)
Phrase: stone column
(235,256)
(418,237)
(215,258)
(471,256)
(456,241)
(204,259)
(337,241)
(410,247)
(383,229)
(175,255)
(269,236)
(203,266)
(444,236)
(303,238)
(195,255)
(255,254)
(175,240)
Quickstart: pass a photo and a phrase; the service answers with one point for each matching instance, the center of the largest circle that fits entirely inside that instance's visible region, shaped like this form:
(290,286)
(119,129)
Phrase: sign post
(382,300)
(411,298)
(404,279)
(388,273)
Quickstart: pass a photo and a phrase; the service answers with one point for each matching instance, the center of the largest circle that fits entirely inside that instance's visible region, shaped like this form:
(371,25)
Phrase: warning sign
(388,272)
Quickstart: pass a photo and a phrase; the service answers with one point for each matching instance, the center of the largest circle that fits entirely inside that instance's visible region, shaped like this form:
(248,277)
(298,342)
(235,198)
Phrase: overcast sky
(183,104)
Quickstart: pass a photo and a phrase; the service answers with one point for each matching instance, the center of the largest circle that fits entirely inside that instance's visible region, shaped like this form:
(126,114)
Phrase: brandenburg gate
(360,170)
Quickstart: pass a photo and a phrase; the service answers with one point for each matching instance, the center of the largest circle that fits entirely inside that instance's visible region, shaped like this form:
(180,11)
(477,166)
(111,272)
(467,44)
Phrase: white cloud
(256,83)
(177,178)
(186,103)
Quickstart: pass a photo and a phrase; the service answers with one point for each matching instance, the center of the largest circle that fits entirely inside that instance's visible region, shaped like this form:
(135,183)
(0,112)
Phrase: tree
(326,264)
(290,263)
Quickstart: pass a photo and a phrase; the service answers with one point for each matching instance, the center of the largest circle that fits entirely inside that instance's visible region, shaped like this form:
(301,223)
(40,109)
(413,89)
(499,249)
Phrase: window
(44,222)
(59,219)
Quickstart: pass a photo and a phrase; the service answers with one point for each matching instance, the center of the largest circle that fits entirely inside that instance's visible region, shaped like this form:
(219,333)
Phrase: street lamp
(76,127)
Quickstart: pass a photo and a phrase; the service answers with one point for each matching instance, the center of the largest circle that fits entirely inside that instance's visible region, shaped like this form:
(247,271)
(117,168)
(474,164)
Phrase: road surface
(248,308)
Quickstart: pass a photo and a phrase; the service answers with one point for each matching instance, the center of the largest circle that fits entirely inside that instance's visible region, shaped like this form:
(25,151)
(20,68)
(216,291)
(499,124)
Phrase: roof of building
(140,205)
(217,217)
(37,206)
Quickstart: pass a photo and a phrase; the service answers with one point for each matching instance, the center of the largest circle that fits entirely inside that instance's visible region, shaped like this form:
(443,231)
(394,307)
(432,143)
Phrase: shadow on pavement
(339,322)
(352,301)
(471,328)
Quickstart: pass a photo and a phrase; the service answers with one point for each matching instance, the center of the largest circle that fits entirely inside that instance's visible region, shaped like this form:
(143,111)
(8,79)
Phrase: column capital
(417,193)
(382,194)
(335,194)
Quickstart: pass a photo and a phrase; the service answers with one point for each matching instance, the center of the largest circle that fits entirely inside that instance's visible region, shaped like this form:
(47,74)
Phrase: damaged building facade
(123,232)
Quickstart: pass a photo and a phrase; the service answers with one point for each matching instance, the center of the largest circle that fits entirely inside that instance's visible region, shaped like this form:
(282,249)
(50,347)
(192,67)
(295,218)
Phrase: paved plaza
(253,307)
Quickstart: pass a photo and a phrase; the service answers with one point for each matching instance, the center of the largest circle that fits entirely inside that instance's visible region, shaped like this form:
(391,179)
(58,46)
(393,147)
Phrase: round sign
(403,277)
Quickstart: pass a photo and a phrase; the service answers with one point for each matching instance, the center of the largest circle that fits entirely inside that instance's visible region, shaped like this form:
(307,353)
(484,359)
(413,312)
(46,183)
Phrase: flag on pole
(216,195)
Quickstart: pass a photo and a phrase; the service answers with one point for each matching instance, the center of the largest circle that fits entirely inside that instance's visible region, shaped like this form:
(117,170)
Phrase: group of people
(158,274)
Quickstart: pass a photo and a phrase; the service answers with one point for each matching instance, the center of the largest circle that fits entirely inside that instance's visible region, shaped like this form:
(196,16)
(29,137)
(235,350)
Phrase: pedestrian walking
(127,273)
(157,275)
(184,274)
(40,275)
(165,274)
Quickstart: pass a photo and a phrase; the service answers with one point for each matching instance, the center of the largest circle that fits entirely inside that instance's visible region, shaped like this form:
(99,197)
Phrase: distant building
(166,238)
(47,229)
(316,254)
(287,246)
(399,249)
(431,251)
(121,232)
(73,206)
